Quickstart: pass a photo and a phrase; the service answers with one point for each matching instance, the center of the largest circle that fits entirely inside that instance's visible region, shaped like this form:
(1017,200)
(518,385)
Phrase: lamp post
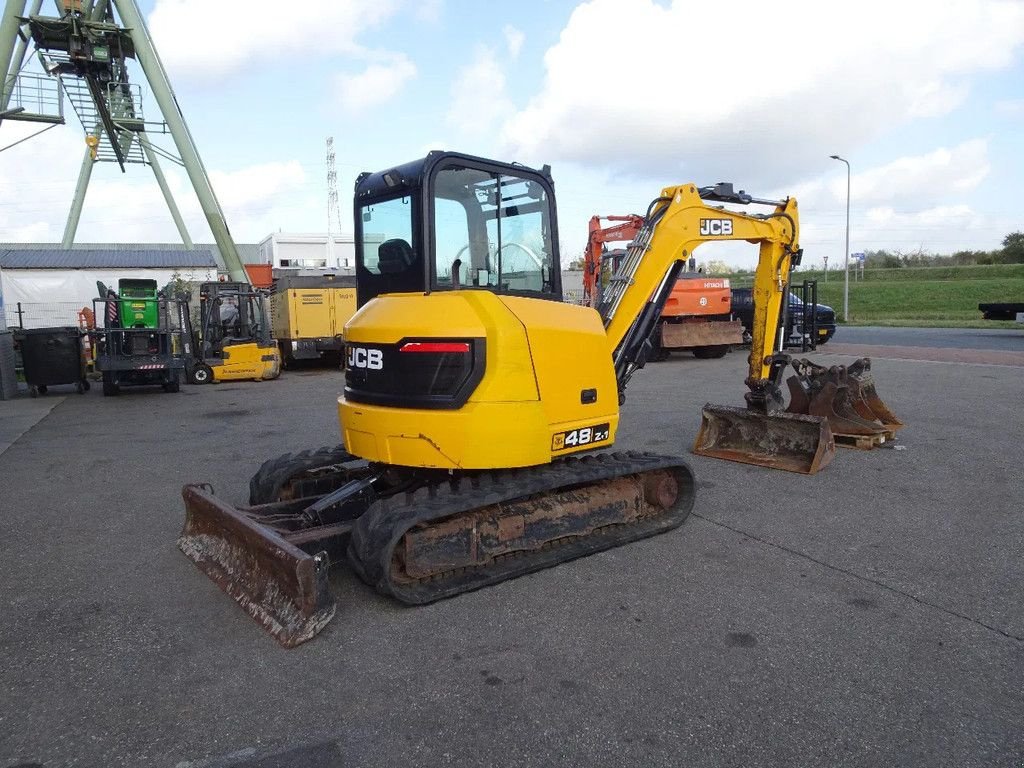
(846,254)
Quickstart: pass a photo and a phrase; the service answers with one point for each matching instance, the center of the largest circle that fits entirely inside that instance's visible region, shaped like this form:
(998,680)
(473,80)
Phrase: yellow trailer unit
(309,315)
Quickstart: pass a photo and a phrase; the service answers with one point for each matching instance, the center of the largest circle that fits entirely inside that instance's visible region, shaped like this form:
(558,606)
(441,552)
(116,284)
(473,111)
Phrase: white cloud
(376,84)
(940,229)
(129,207)
(430,10)
(936,98)
(768,101)
(912,202)
(478,97)
(254,188)
(255,200)
(920,178)
(40,177)
(514,39)
(915,179)
(199,37)
(917,201)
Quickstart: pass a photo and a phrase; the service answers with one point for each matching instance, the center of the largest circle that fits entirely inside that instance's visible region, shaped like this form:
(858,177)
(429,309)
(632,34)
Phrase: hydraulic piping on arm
(676,223)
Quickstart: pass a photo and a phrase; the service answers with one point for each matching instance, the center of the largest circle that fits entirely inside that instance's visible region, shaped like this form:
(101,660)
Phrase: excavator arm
(679,221)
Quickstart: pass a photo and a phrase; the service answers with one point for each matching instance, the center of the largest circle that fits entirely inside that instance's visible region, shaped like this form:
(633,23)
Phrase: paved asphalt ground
(870,615)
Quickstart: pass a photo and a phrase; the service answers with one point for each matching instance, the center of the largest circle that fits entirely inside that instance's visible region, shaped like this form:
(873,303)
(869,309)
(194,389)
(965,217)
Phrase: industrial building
(47,286)
(289,250)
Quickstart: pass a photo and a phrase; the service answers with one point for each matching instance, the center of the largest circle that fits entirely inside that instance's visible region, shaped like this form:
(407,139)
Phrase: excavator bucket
(794,442)
(282,587)
(845,396)
(862,387)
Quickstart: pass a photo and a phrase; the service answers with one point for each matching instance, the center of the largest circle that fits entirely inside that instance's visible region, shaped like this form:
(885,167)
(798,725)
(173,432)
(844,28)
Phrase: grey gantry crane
(84,53)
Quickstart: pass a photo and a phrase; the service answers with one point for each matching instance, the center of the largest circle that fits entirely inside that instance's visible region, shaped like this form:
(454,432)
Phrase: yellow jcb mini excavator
(470,388)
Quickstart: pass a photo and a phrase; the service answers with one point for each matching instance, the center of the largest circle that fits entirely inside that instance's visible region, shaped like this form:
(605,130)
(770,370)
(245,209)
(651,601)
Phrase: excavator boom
(677,222)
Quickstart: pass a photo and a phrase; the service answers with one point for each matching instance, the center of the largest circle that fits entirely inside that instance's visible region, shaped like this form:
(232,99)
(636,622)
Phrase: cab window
(491,231)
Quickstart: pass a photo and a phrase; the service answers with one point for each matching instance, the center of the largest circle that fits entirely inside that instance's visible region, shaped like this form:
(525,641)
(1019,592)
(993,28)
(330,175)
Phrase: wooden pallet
(863,442)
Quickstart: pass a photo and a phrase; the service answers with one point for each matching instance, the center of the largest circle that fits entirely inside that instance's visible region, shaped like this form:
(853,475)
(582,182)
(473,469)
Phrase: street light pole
(846,255)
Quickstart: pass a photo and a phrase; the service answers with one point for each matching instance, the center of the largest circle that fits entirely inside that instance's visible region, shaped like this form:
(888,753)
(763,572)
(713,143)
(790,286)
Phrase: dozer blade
(862,388)
(794,442)
(281,586)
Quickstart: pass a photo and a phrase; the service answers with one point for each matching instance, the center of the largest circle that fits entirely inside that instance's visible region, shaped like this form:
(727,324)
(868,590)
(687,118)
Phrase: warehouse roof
(58,258)
(250,252)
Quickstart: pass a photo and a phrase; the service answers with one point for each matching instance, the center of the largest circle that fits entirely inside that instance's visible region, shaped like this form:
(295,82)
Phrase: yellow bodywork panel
(310,312)
(343,306)
(570,357)
(247,361)
(533,404)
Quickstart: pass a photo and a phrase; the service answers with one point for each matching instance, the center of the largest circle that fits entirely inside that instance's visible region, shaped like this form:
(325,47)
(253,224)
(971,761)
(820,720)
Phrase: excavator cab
(451,221)
(462,330)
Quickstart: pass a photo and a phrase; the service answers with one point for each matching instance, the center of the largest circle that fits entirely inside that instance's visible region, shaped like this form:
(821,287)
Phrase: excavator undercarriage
(417,535)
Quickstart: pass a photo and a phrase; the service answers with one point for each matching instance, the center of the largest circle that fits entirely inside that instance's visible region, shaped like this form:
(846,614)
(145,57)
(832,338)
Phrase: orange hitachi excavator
(697,314)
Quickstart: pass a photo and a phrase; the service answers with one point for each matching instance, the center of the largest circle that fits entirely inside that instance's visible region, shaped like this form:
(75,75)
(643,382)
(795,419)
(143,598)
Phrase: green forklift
(145,338)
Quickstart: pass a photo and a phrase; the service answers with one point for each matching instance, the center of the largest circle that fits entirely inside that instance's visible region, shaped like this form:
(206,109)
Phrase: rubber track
(265,486)
(381,527)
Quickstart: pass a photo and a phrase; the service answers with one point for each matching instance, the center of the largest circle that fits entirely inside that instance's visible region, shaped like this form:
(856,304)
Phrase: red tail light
(435,346)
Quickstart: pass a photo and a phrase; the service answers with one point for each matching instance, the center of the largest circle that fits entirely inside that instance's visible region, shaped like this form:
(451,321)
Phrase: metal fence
(572,296)
(43,314)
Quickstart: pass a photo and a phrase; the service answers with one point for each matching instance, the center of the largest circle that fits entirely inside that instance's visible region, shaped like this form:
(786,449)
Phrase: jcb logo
(359,357)
(716,227)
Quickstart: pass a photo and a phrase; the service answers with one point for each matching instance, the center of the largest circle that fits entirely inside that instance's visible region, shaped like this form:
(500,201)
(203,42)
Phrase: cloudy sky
(620,97)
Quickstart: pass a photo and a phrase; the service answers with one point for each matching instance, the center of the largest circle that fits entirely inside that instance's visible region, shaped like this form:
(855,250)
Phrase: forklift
(144,339)
(234,340)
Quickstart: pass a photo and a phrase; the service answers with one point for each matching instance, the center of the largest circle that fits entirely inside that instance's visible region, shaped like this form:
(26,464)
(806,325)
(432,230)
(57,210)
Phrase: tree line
(1012,252)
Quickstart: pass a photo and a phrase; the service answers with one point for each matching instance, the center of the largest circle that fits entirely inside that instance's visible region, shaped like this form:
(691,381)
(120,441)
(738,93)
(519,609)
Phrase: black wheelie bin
(52,356)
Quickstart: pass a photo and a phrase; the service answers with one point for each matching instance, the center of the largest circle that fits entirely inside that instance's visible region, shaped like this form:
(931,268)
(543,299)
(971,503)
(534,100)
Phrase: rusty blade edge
(288,596)
(825,448)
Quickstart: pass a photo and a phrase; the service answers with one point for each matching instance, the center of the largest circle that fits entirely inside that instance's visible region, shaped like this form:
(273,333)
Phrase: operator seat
(400,266)
(394,256)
